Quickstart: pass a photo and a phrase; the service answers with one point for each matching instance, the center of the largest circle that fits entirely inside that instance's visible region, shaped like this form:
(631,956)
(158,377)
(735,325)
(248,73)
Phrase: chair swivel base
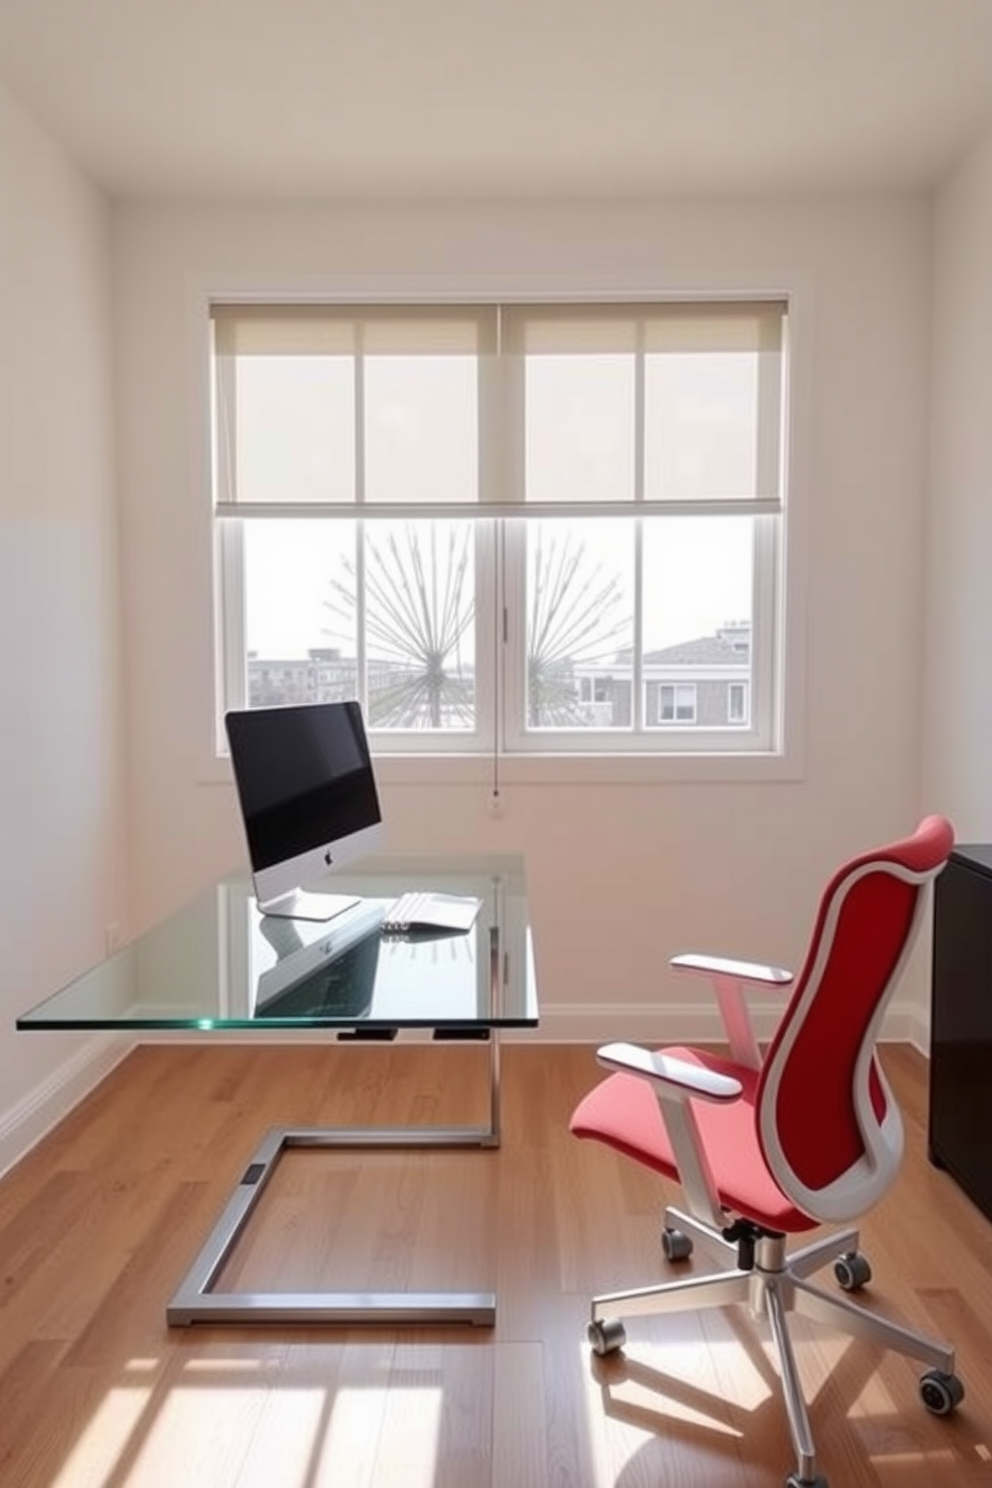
(777,1285)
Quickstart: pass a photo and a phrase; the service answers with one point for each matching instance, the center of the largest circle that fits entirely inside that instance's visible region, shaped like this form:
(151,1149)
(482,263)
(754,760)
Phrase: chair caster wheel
(606,1335)
(852,1271)
(941,1393)
(795,1481)
(676,1244)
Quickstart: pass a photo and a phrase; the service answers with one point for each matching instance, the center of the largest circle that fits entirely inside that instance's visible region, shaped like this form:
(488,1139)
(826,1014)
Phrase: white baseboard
(24,1125)
(687,1023)
(668,1023)
(906,1023)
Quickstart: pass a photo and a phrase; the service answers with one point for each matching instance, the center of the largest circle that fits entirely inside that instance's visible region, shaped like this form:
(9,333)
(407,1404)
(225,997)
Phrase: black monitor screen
(304,777)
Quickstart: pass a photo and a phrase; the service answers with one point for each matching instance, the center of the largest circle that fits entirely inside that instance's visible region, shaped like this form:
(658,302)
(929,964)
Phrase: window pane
(421,429)
(419,615)
(579,426)
(701,425)
(697,615)
(294,434)
(383,611)
(301,643)
(677,702)
(579,624)
(737,703)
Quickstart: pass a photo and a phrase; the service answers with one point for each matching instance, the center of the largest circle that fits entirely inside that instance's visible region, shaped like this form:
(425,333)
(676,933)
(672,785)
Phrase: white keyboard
(429,911)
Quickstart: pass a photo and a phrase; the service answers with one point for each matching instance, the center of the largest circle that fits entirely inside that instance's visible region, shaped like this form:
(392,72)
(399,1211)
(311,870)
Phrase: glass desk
(218,965)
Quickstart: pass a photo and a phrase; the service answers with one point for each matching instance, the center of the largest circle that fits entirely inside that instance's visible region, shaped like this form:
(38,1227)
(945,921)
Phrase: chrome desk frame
(196,1302)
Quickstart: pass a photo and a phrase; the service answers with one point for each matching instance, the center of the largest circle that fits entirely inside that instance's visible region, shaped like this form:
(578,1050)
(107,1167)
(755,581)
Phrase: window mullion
(765,666)
(637,668)
(490,647)
(511,724)
(495,476)
(230,632)
(508,418)
(231,638)
(637,656)
(361,609)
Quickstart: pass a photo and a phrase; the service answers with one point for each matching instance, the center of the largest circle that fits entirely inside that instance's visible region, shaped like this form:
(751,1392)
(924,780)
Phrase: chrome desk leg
(195,1302)
(491,1137)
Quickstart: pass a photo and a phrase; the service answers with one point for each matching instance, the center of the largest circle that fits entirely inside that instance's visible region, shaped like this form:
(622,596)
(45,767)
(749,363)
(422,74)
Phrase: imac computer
(308,800)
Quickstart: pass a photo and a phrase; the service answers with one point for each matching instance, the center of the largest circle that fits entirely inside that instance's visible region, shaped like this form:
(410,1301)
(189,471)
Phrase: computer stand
(301,904)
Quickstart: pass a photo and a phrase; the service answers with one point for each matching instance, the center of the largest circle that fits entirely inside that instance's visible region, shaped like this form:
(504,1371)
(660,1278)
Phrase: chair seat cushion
(623,1112)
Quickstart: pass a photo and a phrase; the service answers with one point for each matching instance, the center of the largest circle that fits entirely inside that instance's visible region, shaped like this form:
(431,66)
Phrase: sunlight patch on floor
(679,1384)
(285,1442)
(753,1385)
(873,1401)
(906,1466)
(350,1440)
(654,1386)
(213,1425)
(93,1459)
(405,1423)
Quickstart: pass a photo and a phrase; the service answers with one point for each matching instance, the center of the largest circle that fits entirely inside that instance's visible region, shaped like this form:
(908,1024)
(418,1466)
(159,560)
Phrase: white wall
(958,702)
(728,866)
(61,785)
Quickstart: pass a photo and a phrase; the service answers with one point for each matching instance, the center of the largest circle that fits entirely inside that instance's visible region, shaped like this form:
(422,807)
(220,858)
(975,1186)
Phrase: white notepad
(430,911)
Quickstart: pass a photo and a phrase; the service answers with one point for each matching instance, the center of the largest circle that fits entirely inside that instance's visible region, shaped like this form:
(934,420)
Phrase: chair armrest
(729,979)
(676,1085)
(741,971)
(676,1077)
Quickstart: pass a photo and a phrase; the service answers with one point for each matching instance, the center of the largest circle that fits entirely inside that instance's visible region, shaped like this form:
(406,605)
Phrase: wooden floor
(99,1223)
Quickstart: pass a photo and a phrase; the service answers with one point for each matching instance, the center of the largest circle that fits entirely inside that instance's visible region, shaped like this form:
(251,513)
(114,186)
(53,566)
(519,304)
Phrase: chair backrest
(829,1126)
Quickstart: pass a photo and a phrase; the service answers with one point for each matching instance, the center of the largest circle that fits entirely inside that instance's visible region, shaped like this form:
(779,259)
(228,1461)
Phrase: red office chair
(765,1148)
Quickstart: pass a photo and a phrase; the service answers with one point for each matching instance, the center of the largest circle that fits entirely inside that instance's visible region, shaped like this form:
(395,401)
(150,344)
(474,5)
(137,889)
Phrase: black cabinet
(960,1135)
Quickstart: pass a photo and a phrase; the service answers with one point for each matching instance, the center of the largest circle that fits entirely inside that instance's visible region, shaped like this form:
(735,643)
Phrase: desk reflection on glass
(332,977)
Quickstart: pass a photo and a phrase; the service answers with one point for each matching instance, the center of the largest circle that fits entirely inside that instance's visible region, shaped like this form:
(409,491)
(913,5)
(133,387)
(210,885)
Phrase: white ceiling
(493,98)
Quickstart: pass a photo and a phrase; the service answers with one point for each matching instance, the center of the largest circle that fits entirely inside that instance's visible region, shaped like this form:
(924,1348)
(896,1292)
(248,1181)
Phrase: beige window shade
(347,330)
(686,327)
(517,410)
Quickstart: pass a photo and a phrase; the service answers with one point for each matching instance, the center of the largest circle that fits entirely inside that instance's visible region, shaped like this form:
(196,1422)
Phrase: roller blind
(512,409)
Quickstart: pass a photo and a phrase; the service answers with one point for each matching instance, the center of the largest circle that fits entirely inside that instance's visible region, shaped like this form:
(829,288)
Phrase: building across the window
(702,683)
(322,676)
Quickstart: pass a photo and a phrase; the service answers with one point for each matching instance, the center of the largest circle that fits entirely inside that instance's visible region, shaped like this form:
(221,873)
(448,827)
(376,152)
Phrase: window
(594,689)
(515,528)
(677,702)
(737,702)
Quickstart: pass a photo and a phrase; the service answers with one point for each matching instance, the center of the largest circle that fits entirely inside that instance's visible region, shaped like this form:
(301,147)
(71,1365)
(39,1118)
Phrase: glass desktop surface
(218,964)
